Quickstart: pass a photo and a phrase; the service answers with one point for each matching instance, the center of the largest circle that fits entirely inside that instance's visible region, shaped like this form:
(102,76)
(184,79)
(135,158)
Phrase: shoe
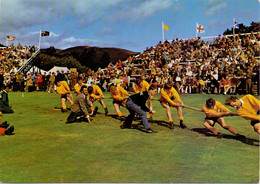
(220,135)
(123,127)
(64,110)
(171,125)
(182,125)
(9,131)
(106,111)
(122,118)
(95,111)
(149,130)
(240,137)
(150,118)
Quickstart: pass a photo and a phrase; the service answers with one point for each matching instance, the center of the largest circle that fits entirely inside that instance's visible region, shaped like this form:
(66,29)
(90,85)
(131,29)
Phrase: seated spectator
(5,129)
(222,84)
(4,101)
(228,85)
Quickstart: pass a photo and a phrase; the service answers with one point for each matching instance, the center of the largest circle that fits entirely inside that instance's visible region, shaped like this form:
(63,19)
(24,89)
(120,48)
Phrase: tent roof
(36,69)
(60,68)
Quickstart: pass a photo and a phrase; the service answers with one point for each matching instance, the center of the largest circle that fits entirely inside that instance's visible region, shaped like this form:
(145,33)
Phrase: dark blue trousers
(133,108)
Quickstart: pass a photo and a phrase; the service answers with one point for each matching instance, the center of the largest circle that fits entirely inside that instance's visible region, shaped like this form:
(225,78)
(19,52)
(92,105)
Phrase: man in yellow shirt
(248,107)
(79,84)
(95,93)
(119,99)
(140,85)
(170,98)
(215,111)
(64,90)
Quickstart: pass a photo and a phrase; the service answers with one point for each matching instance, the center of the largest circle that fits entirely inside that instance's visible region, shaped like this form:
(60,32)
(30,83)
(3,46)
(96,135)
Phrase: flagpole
(40,39)
(162,32)
(6,41)
(234,20)
(196,30)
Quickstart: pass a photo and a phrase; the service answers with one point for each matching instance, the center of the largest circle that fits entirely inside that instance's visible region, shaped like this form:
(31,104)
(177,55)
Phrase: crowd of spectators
(227,65)
(13,57)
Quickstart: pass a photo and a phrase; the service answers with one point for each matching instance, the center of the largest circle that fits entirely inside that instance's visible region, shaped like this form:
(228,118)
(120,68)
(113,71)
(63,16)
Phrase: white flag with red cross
(200,28)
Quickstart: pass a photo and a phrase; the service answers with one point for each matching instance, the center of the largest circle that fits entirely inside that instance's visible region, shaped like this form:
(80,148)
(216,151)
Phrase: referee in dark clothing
(137,104)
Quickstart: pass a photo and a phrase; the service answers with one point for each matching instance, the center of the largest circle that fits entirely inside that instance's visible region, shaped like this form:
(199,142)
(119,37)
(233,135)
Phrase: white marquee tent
(60,68)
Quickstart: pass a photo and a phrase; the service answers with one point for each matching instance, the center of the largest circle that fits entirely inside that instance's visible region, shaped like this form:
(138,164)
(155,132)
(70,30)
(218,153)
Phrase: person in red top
(39,81)
(222,84)
(4,130)
(228,85)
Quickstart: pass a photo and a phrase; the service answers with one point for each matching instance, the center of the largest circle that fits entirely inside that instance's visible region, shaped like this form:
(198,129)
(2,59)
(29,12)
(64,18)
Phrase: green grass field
(45,149)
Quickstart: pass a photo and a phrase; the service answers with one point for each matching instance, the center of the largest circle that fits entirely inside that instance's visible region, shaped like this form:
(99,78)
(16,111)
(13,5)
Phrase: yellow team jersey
(77,87)
(250,107)
(120,95)
(201,82)
(118,82)
(145,86)
(167,97)
(216,111)
(63,89)
(96,92)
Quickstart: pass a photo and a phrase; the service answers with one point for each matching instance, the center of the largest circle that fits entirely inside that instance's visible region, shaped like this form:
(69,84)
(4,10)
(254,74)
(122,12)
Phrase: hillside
(91,57)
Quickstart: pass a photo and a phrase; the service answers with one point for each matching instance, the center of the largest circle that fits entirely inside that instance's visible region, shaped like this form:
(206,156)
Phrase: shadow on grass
(208,133)
(139,127)
(160,123)
(163,123)
(115,116)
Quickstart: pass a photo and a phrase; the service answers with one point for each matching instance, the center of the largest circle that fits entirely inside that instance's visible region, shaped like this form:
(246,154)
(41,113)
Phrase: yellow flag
(165,27)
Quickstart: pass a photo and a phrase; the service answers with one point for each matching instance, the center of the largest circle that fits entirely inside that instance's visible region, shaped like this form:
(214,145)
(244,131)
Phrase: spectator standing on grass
(18,81)
(45,79)
(29,83)
(34,77)
(51,83)
(39,82)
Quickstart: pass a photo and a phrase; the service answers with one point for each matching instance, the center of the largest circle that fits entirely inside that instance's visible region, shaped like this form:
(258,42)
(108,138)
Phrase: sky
(127,24)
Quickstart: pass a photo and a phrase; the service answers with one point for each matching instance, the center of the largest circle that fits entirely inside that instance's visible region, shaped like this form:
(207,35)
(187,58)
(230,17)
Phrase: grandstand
(188,63)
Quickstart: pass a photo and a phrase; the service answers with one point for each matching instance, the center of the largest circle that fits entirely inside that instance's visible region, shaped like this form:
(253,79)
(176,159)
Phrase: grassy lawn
(46,150)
